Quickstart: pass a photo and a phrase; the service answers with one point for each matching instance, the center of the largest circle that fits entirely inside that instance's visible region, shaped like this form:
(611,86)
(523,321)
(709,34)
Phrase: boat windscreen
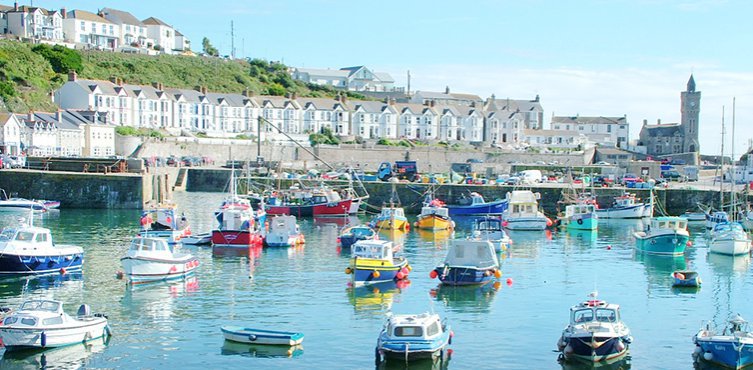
(408,331)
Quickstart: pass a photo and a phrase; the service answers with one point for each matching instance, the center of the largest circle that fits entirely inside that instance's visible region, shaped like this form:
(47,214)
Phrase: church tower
(690,107)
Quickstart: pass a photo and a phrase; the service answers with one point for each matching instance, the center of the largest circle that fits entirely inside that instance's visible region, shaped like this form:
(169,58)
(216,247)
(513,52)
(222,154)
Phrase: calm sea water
(305,289)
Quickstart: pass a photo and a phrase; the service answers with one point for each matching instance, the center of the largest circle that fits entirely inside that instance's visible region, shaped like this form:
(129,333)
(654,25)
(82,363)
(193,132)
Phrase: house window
(609,128)
(83,26)
(658,149)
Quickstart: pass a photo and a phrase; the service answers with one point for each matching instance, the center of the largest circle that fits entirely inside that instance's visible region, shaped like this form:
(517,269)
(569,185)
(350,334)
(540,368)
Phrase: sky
(582,57)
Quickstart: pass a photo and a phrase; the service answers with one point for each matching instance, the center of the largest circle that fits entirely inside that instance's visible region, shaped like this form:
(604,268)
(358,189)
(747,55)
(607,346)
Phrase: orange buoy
(689,244)
(376,274)
(433,274)
(509,281)
(497,274)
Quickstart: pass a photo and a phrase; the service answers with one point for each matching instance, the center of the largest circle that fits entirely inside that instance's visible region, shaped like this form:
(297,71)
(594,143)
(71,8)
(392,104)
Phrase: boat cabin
(372,249)
(487,224)
(24,238)
(359,231)
(579,209)
(523,201)
(477,199)
(281,224)
(718,217)
(471,253)
(38,312)
(439,211)
(625,200)
(162,218)
(150,246)
(389,212)
(594,311)
(669,223)
(424,326)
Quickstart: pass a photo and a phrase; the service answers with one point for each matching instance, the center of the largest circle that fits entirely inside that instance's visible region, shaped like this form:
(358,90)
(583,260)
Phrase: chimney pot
(658,121)
(432,103)
(72,75)
(114,80)
(63,13)
(155,85)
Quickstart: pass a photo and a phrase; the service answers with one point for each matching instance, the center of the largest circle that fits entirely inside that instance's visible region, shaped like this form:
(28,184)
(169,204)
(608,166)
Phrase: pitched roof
(665,129)
(370,106)
(5,8)
(120,16)
(152,21)
(86,16)
(324,72)
(589,120)
(522,105)
(384,77)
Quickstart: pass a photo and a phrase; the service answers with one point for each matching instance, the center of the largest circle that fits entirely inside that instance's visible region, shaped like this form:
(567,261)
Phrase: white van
(530,176)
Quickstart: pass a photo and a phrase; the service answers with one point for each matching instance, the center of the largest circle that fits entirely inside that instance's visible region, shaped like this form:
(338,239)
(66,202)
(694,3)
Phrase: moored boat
(283,232)
(307,203)
(153,259)
(523,213)
(715,218)
(162,221)
(42,323)
(468,262)
(627,206)
(694,216)
(490,228)
(373,261)
(197,239)
(238,224)
(390,218)
(29,250)
(22,205)
(476,205)
(413,337)
(733,348)
(355,233)
(685,278)
(257,336)
(729,238)
(596,333)
(434,216)
(664,236)
(581,217)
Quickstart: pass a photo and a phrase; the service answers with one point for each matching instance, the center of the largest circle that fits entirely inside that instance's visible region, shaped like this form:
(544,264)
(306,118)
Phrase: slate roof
(518,104)
(86,16)
(152,21)
(450,96)
(324,72)
(384,77)
(665,129)
(121,17)
(589,120)
(5,8)
(374,106)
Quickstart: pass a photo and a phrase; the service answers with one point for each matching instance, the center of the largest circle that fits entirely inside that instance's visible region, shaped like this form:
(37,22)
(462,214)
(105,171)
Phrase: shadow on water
(375,300)
(230,348)
(10,287)
(68,357)
(659,270)
(440,238)
(467,298)
(423,364)
(621,364)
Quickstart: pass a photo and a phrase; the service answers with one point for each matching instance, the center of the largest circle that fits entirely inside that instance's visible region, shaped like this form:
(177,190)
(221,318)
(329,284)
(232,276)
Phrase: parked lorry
(402,170)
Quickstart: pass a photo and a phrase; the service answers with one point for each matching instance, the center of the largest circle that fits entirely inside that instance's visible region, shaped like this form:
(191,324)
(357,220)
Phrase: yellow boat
(434,216)
(391,218)
(373,262)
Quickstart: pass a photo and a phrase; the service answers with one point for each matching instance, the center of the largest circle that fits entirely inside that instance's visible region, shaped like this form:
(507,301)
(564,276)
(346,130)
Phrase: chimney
(446,89)
(63,13)
(537,98)
(157,85)
(344,98)
(114,80)
(30,116)
(119,81)
(432,102)
(60,115)
(293,96)
(15,6)
(386,100)
(658,121)
(247,92)
(72,75)
(392,101)
(337,97)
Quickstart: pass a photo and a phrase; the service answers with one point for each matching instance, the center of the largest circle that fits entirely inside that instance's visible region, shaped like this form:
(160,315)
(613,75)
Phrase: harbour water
(505,326)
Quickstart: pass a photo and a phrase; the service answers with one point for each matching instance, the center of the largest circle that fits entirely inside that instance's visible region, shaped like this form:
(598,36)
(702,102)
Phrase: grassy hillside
(27,77)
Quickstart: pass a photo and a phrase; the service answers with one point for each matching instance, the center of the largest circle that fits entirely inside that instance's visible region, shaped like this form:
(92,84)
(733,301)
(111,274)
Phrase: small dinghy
(685,278)
(257,336)
(197,239)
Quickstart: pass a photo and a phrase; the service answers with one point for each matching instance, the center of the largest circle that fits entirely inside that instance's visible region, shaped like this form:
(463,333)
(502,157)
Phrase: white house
(90,30)
(446,98)
(605,131)
(358,78)
(330,77)
(132,31)
(530,111)
(34,22)
(98,135)
(182,45)
(162,33)
(375,120)
(562,139)
(417,121)
(4,18)
(10,134)
(106,97)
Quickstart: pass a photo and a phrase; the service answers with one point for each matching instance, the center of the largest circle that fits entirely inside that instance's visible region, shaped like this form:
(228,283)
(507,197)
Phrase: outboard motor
(84,310)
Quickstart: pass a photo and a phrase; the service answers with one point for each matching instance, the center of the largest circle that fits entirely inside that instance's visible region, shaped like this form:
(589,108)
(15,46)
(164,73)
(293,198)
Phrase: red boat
(307,203)
(237,225)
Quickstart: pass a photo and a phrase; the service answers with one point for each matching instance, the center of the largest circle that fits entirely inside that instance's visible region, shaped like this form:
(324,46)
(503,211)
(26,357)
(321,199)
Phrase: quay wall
(76,190)
(672,201)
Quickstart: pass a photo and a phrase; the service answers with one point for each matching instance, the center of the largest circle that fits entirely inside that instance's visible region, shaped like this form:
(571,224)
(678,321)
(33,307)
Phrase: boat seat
(84,310)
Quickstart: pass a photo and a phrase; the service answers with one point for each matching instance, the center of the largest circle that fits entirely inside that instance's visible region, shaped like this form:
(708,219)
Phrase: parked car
(677,162)
(474,160)
(512,180)
(13,161)
(672,175)
(628,178)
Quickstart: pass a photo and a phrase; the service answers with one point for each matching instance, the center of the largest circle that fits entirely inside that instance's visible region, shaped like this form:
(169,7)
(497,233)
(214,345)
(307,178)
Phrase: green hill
(28,74)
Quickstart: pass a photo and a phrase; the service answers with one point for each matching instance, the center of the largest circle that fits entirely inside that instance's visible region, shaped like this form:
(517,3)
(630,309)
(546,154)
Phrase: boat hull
(433,222)
(53,336)
(341,208)
(525,223)
(595,349)
(143,270)
(636,211)
(172,236)
(256,336)
(463,275)
(663,244)
(236,238)
(364,272)
(491,208)
(392,224)
(18,265)
(283,240)
(412,350)
(583,222)
(731,247)
(727,351)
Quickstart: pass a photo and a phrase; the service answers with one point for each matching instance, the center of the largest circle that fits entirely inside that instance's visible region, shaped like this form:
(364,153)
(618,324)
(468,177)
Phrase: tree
(208,48)
(61,59)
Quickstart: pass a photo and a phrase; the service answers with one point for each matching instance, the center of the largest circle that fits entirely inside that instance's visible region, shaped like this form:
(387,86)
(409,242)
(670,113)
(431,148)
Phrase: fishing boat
(729,238)
(694,216)
(685,278)
(523,212)
(161,220)
(715,218)
(283,232)
(733,348)
(42,323)
(490,228)
(596,333)
(664,236)
(413,337)
(434,216)
(21,205)
(627,206)
(153,259)
(390,218)
(307,203)
(238,224)
(352,234)
(581,216)
(30,250)
(257,336)
(373,261)
(468,262)
(476,205)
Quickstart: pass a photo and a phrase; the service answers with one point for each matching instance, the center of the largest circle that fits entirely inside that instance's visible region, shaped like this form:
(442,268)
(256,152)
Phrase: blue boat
(664,236)
(29,250)
(373,262)
(733,348)
(686,278)
(468,262)
(355,233)
(476,205)
(258,336)
(413,337)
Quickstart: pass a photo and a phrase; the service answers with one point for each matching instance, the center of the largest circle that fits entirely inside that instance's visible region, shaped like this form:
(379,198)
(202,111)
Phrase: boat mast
(721,169)
(733,213)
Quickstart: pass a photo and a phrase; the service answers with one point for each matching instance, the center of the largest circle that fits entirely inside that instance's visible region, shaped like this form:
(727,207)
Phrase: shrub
(60,58)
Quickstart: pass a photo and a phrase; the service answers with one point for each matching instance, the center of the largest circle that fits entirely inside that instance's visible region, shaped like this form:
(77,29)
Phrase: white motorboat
(29,250)
(490,228)
(21,205)
(153,259)
(411,337)
(729,238)
(596,333)
(284,232)
(627,206)
(197,239)
(42,323)
(523,213)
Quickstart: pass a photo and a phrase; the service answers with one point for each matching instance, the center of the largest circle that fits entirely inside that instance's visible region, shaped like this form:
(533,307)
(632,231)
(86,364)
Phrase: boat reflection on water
(581,237)
(376,299)
(421,364)
(624,228)
(155,300)
(249,252)
(397,237)
(623,363)
(292,252)
(440,238)
(467,298)
(337,221)
(659,270)
(724,265)
(230,348)
(68,357)
(13,287)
